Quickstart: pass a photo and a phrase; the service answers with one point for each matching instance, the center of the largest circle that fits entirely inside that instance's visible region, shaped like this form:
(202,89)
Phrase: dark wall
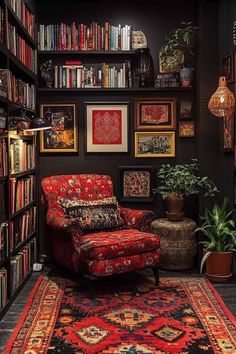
(156,19)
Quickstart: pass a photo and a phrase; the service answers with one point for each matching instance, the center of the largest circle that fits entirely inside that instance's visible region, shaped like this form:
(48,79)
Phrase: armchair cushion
(113,244)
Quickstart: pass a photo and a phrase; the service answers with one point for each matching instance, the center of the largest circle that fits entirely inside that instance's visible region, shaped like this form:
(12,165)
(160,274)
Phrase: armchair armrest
(137,219)
(60,224)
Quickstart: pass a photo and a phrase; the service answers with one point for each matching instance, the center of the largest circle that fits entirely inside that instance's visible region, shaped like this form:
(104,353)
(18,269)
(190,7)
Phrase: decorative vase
(186,77)
(175,208)
(144,63)
(219,266)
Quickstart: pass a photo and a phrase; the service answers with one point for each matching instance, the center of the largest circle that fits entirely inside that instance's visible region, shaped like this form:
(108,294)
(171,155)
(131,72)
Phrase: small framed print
(228,68)
(107,127)
(155,144)
(186,109)
(137,183)
(186,129)
(228,133)
(62,137)
(155,113)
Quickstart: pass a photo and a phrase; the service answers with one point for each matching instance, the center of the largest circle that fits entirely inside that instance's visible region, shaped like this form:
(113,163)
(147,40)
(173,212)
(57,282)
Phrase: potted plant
(176,45)
(180,181)
(220,243)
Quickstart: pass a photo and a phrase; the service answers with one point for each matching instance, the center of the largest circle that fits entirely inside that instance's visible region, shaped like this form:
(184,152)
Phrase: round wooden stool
(178,243)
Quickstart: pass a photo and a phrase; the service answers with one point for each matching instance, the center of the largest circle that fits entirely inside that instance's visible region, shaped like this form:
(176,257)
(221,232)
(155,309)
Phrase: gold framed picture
(155,144)
(62,137)
(155,113)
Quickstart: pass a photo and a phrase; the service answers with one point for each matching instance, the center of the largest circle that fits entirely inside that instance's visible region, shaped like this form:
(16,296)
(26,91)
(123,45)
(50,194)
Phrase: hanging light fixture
(222,102)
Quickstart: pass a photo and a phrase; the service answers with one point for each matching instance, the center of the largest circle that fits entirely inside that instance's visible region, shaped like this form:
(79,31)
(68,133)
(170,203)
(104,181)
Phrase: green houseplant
(176,45)
(219,231)
(180,181)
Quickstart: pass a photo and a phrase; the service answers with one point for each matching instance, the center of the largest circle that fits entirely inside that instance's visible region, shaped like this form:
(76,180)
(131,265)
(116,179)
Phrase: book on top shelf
(26,17)
(82,37)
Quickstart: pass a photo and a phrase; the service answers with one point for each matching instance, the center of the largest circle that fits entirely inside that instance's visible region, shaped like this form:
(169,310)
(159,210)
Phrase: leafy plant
(182,181)
(218,228)
(181,40)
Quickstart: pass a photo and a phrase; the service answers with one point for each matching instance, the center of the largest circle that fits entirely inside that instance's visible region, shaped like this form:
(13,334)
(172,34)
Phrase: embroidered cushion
(102,214)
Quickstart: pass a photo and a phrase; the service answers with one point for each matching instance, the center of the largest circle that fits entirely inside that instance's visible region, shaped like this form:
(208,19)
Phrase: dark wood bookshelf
(23,173)
(125,89)
(14,295)
(26,207)
(86,52)
(22,30)
(22,244)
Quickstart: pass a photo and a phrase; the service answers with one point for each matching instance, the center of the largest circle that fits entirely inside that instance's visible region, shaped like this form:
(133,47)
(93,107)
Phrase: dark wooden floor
(9,321)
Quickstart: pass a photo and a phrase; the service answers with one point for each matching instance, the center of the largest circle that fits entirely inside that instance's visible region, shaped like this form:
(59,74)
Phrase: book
(24,14)
(3,82)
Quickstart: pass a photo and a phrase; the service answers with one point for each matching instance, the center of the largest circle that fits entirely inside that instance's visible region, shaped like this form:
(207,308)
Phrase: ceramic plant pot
(219,266)
(175,208)
(186,77)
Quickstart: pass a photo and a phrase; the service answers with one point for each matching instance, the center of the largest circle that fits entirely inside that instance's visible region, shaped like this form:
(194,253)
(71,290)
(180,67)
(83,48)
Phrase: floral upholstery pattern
(103,245)
(97,253)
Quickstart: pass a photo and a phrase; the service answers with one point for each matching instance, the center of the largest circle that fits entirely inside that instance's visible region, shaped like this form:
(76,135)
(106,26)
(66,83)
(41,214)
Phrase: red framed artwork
(186,129)
(155,113)
(107,127)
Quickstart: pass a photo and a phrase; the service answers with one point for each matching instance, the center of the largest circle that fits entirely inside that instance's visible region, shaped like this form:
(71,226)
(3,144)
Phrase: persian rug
(131,316)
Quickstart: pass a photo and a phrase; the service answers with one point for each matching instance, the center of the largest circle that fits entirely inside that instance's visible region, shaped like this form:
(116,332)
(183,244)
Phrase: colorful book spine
(24,14)
(21,92)
(22,192)
(22,156)
(84,37)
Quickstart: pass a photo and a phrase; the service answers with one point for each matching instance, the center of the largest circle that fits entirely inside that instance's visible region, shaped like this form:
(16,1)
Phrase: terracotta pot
(175,208)
(219,266)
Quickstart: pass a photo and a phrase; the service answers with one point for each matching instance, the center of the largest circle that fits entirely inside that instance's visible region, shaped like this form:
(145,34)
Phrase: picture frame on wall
(228,67)
(62,137)
(186,129)
(106,127)
(155,113)
(155,144)
(228,133)
(186,109)
(136,183)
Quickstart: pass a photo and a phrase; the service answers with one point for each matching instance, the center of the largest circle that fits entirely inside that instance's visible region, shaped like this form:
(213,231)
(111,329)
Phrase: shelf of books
(18,161)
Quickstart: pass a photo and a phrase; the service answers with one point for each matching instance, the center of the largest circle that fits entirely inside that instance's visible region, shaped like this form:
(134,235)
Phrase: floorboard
(227,292)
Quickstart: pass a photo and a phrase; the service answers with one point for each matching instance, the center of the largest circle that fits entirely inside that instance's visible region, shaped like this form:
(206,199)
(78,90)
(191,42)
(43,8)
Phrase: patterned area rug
(182,315)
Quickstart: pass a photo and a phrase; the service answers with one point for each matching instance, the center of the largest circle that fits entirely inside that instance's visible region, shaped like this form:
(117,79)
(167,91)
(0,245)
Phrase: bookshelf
(18,160)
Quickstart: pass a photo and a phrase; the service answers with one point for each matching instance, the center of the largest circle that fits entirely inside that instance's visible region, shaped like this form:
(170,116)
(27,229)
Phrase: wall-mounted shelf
(128,89)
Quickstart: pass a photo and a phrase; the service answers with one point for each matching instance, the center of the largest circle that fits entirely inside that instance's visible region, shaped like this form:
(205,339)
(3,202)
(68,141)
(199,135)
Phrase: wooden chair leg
(156,275)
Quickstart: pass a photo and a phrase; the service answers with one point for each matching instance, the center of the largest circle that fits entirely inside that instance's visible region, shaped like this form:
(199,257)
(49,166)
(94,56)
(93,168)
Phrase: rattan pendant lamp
(222,102)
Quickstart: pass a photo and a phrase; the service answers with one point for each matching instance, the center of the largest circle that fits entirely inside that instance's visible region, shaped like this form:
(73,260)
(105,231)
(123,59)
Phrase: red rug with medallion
(182,315)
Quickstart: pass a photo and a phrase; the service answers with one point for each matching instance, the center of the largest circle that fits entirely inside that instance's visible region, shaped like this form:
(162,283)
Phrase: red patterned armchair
(97,253)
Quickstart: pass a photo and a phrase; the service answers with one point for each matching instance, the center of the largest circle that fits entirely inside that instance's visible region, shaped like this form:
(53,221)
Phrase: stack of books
(83,37)
(76,75)
(18,46)
(167,80)
(22,227)
(24,14)
(22,156)
(22,192)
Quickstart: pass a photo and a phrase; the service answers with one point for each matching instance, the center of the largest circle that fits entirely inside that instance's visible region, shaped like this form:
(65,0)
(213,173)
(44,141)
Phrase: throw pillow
(96,215)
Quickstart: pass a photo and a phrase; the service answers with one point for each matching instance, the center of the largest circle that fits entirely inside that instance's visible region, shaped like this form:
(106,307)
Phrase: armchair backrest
(81,186)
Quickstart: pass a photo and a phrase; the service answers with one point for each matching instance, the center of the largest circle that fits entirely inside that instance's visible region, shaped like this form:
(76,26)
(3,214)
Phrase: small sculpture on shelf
(46,71)
(145,67)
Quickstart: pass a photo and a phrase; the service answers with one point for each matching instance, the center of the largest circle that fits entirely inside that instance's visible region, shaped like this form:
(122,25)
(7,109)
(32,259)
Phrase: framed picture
(155,144)
(228,68)
(155,113)
(62,137)
(137,183)
(186,109)
(107,127)
(228,134)
(186,129)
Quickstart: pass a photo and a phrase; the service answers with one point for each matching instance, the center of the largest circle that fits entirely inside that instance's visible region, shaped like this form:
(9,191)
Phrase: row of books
(1,24)
(22,156)
(4,244)
(21,92)
(84,37)
(3,158)
(3,287)
(25,16)
(22,227)
(18,46)
(100,75)
(22,264)
(3,204)
(22,192)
